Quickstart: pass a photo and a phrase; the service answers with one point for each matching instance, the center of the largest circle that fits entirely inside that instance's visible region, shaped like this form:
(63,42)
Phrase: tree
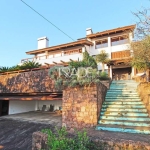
(141,47)
(103,58)
(88,61)
(143,23)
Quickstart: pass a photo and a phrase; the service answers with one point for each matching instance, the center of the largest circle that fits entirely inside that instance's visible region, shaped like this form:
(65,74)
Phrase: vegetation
(141,47)
(82,73)
(88,61)
(24,66)
(61,141)
(102,58)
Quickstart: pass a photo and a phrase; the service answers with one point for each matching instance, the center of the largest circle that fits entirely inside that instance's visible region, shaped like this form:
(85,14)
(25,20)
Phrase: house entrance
(4,107)
(121,73)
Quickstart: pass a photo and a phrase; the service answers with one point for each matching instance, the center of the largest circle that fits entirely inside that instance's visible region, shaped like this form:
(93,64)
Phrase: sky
(20,27)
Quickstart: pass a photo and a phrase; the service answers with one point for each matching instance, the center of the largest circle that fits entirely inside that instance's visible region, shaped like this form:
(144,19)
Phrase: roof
(107,32)
(62,46)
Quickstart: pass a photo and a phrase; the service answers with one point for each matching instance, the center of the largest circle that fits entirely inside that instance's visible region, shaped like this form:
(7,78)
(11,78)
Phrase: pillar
(110,70)
(109,47)
(133,72)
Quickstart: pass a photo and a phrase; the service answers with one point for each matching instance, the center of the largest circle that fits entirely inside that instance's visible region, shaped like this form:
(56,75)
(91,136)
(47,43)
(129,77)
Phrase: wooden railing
(120,54)
(71,52)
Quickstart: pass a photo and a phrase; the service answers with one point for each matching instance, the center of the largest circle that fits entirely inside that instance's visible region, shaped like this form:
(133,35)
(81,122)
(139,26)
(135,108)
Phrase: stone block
(82,109)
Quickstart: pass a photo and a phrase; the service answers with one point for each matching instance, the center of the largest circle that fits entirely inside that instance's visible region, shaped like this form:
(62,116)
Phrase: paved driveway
(16,130)
(37,117)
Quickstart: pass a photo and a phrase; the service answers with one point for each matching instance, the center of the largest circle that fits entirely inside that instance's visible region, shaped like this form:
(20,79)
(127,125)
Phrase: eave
(62,46)
(116,30)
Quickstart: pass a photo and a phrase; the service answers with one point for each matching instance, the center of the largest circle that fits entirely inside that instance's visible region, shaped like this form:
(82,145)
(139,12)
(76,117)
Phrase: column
(109,47)
(110,70)
(133,72)
(62,53)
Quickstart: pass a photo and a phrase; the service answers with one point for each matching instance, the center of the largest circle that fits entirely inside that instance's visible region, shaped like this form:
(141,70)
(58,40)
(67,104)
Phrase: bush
(104,76)
(61,141)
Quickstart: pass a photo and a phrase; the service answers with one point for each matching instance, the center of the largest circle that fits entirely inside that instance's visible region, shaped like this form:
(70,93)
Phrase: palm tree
(30,65)
(103,58)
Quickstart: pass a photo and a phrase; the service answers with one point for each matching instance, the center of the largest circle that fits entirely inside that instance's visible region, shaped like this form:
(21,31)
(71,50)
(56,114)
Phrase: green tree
(102,58)
(88,61)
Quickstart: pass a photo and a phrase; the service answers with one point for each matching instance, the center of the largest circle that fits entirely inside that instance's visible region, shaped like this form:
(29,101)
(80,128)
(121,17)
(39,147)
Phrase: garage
(14,103)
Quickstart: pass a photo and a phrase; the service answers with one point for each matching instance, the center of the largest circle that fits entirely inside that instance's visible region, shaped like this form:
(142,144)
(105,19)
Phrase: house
(115,42)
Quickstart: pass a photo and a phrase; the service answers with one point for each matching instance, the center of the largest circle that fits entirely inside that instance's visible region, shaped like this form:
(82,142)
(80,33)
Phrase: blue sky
(20,26)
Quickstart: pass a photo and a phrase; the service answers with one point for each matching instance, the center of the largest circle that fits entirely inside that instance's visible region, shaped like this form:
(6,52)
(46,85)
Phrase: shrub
(61,141)
(104,76)
(88,61)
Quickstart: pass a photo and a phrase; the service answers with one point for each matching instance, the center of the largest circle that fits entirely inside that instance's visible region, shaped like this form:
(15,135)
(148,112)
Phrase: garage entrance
(4,107)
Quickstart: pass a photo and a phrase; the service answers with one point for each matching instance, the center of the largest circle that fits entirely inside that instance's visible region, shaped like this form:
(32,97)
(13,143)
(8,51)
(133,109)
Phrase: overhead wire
(47,20)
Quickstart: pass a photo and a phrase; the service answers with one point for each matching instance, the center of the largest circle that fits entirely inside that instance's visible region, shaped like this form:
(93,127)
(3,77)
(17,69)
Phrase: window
(101,44)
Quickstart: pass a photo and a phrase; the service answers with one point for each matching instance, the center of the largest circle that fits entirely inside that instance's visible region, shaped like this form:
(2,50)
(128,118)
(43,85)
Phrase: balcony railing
(56,55)
(125,41)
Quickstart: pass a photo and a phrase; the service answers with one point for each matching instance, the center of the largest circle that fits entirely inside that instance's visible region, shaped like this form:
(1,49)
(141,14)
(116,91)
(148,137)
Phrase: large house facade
(115,42)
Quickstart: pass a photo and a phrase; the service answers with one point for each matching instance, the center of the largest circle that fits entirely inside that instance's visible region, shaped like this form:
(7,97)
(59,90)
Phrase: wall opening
(4,107)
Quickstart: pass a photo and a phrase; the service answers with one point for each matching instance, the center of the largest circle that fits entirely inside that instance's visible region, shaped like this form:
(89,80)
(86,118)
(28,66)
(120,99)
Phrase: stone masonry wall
(81,106)
(144,92)
(39,141)
(32,81)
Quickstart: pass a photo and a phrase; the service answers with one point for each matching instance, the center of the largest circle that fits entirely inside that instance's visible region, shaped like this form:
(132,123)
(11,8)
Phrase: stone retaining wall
(39,141)
(144,92)
(82,105)
(25,82)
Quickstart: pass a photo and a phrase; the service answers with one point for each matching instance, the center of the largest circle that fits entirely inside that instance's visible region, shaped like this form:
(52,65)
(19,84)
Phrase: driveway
(16,130)
(37,117)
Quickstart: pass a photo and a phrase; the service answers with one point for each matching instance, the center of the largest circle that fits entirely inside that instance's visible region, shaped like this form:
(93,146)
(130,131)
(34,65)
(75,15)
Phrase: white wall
(21,106)
(26,106)
(48,103)
(65,58)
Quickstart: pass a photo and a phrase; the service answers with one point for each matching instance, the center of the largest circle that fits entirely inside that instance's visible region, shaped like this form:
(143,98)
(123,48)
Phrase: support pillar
(110,71)
(133,71)
(109,47)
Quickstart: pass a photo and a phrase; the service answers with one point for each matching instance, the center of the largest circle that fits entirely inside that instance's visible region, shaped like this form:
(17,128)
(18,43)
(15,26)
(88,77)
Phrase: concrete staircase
(123,111)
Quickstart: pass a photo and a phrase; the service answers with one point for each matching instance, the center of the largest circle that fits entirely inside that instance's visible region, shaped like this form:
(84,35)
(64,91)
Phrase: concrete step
(124,109)
(122,90)
(124,81)
(121,97)
(123,102)
(120,93)
(128,129)
(123,84)
(122,106)
(125,123)
(123,113)
(122,87)
(122,118)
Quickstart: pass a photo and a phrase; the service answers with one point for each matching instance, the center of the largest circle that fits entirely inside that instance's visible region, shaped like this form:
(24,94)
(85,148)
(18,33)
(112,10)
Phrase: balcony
(121,42)
(56,57)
